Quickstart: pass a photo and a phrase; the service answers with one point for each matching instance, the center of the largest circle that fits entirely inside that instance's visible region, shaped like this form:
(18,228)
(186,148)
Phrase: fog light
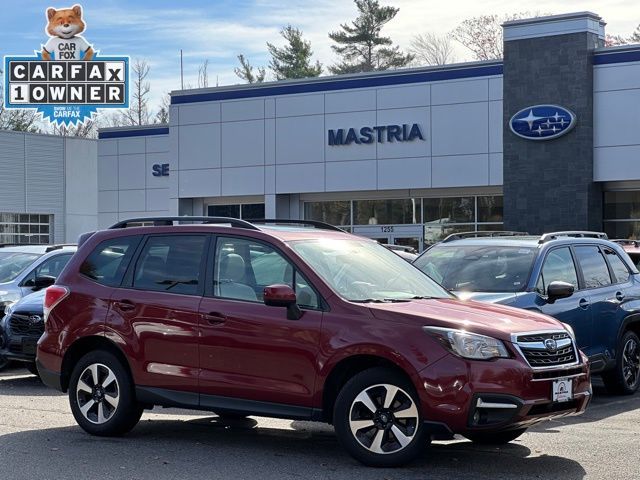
(476,417)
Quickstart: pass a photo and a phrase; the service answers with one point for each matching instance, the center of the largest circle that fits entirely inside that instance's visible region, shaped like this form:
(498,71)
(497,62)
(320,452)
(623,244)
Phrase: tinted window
(171,263)
(594,267)
(620,270)
(558,267)
(108,262)
(50,268)
(478,268)
(243,268)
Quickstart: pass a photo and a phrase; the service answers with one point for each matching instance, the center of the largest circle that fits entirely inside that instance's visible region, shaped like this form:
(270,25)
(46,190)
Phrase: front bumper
(17,347)
(502,394)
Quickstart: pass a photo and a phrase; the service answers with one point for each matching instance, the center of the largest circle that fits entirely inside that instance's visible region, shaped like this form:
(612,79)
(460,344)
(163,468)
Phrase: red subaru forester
(296,320)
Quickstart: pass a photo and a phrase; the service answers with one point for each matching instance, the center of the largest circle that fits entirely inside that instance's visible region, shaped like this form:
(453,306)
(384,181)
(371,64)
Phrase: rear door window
(109,260)
(594,268)
(171,263)
(50,268)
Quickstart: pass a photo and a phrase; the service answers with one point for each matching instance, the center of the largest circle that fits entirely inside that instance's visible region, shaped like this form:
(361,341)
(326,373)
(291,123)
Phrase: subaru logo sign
(551,345)
(542,122)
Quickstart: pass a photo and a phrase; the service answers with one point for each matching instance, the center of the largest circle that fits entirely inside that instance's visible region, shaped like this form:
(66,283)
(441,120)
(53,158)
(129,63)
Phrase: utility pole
(181,72)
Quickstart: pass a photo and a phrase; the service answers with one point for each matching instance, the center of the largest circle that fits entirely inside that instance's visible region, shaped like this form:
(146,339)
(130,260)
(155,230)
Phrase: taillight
(52,297)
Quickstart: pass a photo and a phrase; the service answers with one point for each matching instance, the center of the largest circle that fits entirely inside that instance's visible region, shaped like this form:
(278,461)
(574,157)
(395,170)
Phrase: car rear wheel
(101,395)
(377,419)
(624,379)
(495,438)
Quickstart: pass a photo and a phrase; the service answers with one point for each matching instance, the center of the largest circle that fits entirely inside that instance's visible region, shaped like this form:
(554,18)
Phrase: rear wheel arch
(83,346)
(347,368)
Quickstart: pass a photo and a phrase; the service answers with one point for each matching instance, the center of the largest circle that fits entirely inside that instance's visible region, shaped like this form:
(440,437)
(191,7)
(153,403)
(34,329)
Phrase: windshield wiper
(380,300)
(421,297)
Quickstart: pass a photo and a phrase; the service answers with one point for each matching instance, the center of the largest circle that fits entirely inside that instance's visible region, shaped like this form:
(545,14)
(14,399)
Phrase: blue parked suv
(580,278)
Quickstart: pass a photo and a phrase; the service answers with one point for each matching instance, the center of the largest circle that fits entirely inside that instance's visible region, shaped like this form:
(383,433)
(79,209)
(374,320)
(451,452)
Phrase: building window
(25,228)
(246,210)
(386,212)
(622,214)
(334,213)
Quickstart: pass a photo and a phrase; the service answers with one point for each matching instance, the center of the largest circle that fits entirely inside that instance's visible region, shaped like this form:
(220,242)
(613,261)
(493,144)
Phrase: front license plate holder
(562,390)
(29,346)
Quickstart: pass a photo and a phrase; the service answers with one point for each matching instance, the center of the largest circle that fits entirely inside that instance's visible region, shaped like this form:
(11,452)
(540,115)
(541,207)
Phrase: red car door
(156,313)
(249,350)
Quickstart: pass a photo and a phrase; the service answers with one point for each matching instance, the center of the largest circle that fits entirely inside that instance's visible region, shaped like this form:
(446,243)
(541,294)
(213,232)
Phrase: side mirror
(557,290)
(283,296)
(43,281)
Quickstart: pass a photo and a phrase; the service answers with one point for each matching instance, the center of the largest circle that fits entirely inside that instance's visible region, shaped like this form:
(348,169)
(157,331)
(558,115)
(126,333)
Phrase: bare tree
(24,120)
(245,71)
(138,112)
(88,129)
(614,40)
(483,35)
(203,76)
(432,49)
(635,36)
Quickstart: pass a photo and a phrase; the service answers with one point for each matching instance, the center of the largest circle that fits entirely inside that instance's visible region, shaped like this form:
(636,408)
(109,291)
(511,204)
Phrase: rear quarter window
(108,262)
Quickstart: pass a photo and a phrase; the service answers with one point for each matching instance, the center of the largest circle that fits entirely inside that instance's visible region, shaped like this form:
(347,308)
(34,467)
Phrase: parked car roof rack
(570,233)
(59,246)
(165,221)
(288,221)
(483,233)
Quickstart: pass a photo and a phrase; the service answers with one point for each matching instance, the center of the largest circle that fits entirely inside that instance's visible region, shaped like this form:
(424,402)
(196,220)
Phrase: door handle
(619,296)
(125,305)
(583,303)
(214,318)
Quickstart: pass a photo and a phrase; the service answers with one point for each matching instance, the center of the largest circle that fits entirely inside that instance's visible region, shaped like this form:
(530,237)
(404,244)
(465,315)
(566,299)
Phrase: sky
(219,30)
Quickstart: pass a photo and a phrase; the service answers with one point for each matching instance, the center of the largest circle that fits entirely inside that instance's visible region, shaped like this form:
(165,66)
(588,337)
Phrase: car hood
(497,321)
(505,298)
(32,302)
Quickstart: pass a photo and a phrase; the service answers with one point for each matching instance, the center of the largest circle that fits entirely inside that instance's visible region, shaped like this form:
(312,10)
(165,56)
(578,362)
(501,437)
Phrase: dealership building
(546,139)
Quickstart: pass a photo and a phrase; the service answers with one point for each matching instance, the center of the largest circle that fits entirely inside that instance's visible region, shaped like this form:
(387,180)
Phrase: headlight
(469,345)
(569,329)
(8,306)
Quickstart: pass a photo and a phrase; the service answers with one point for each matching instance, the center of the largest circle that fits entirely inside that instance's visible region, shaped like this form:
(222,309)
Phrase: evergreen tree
(635,36)
(245,71)
(294,59)
(360,44)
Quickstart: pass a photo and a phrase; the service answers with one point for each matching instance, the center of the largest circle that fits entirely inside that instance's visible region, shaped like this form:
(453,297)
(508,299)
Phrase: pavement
(39,439)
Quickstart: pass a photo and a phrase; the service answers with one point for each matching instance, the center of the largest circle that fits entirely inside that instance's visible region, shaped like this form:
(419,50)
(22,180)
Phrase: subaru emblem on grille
(551,345)
(35,319)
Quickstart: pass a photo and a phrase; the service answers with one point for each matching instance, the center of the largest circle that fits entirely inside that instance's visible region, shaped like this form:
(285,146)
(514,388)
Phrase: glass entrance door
(409,235)
(413,242)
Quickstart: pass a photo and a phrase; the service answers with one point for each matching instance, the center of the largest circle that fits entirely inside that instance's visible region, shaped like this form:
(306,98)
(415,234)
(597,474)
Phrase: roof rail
(483,233)
(572,233)
(59,246)
(287,221)
(166,221)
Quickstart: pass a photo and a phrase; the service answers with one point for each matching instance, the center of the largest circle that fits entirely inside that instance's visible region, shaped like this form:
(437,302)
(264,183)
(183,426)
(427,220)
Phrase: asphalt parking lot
(40,440)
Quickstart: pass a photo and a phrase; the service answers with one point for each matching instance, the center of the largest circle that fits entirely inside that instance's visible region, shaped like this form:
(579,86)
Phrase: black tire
(33,369)
(624,379)
(378,382)
(495,438)
(232,416)
(116,420)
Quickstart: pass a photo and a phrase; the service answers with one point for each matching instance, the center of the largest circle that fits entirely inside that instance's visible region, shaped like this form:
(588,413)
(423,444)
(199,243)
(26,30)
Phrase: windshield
(12,263)
(478,268)
(364,271)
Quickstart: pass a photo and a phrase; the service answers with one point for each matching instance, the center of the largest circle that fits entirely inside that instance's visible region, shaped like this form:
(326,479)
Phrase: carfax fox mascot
(64,27)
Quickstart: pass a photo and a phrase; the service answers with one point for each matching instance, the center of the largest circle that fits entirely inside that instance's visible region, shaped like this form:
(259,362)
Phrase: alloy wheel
(384,419)
(631,362)
(98,393)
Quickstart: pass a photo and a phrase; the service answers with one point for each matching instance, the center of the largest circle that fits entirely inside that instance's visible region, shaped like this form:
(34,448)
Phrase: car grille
(25,324)
(538,349)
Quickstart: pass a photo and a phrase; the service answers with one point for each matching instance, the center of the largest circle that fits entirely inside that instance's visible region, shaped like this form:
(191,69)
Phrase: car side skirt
(218,404)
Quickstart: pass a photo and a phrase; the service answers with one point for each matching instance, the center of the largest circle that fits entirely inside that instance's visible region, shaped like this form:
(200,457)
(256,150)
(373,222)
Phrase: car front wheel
(101,395)
(624,379)
(377,419)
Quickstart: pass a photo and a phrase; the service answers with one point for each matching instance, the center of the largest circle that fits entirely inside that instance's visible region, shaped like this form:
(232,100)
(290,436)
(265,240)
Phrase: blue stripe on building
(141,132)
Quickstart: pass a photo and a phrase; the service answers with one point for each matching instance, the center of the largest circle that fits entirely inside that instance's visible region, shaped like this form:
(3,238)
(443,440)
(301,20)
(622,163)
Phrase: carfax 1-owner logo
(67,80)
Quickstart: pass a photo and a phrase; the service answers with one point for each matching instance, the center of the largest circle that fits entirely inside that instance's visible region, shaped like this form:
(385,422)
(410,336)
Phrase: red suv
(294,322)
